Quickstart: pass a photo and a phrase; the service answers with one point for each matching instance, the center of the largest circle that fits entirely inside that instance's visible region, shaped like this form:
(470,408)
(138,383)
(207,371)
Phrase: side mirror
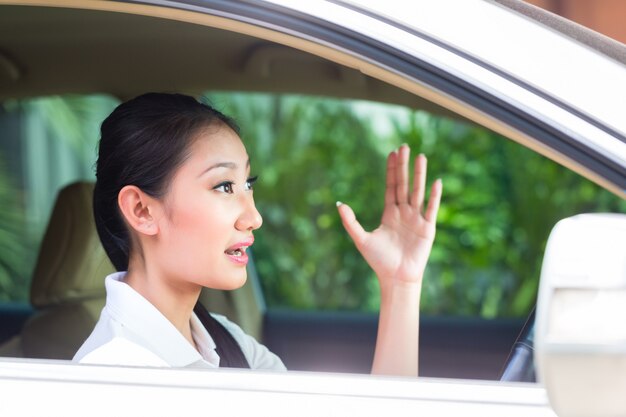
(580,340)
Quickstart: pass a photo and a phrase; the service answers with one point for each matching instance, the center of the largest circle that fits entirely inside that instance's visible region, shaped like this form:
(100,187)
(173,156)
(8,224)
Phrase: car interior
(69,51)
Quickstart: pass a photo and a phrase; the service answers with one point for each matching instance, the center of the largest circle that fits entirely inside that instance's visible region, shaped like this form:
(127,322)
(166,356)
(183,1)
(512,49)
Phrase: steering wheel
(520,365)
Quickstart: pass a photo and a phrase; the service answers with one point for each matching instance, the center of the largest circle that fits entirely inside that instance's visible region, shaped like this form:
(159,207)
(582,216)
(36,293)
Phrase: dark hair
(142,143)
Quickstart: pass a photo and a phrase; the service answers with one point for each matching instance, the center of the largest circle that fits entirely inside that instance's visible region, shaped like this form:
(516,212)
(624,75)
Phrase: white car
(545,83)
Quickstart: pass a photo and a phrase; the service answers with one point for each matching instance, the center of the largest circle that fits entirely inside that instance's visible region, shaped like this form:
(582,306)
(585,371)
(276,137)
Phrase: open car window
(499,204)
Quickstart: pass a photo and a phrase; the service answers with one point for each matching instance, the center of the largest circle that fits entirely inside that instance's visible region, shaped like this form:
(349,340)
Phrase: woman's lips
(239,259)
(237,252)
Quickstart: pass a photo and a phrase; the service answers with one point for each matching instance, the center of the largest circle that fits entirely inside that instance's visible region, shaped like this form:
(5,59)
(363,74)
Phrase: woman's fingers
(390,192)
(351,224)
(419,182)
(397,191)
(402,175)
(433,202)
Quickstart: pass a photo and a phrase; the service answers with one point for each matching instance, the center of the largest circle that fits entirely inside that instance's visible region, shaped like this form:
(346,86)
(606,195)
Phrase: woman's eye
(225,187)
(250,182)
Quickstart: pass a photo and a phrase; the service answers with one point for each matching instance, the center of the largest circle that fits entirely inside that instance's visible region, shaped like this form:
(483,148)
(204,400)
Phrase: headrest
(72,264)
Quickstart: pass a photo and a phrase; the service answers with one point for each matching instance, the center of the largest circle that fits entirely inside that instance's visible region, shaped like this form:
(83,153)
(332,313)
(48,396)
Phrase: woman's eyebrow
(229,165)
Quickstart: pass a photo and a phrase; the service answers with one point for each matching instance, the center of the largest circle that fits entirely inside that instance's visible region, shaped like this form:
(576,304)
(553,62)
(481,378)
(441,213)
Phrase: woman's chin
(233,282)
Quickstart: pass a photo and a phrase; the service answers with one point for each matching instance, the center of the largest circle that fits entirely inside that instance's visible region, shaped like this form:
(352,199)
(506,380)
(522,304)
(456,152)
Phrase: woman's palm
(399,248)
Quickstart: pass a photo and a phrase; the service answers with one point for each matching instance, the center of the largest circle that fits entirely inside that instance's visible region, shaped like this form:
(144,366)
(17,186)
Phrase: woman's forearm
(397,343)
(398,251)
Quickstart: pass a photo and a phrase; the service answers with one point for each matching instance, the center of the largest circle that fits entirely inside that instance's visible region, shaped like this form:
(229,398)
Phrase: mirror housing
(580,340)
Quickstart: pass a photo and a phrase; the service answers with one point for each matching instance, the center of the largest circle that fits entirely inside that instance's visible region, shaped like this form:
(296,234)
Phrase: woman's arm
(398,251)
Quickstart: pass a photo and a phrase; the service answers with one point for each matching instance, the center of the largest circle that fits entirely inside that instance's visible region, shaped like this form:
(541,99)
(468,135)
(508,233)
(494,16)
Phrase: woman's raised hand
(398,249)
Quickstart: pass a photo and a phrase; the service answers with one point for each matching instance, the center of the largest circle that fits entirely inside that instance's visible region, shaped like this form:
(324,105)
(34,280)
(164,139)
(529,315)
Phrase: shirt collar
(204,341)
(153,330)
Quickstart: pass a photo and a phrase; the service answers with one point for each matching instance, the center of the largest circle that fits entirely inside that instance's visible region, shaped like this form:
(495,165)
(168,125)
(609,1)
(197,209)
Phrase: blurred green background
(499,204)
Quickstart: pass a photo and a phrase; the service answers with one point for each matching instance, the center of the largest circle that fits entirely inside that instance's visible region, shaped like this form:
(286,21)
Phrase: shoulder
(111,344)
(258,356)
(120,351)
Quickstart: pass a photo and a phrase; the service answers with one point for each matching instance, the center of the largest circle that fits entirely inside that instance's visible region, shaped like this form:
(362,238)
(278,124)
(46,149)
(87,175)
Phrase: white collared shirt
(131,331)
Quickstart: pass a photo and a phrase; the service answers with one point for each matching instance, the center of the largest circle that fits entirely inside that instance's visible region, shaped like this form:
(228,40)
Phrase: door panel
(450,347)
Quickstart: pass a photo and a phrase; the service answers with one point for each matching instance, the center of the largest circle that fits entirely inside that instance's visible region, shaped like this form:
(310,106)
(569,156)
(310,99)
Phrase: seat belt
(227,348)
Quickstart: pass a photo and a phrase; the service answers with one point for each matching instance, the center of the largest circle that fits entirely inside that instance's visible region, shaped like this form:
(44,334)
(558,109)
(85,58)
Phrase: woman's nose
(250,218)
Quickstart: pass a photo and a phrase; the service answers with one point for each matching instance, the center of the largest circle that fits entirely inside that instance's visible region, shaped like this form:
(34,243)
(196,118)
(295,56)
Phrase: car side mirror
(580,340)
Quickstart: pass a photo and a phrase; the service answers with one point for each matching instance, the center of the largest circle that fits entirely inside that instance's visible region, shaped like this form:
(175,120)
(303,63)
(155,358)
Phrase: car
(538,83)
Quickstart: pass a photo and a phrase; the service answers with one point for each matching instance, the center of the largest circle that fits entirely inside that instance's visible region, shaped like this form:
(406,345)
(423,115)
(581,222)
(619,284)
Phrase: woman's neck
(175,299)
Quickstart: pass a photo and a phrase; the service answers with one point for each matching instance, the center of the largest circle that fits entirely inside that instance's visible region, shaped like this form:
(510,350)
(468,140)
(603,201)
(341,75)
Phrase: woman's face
(208,214)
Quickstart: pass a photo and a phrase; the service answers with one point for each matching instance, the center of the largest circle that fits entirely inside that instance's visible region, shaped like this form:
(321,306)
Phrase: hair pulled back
(142,143)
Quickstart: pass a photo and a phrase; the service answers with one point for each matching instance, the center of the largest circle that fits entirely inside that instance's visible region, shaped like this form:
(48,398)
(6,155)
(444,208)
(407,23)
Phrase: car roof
(597,41)
(572,65)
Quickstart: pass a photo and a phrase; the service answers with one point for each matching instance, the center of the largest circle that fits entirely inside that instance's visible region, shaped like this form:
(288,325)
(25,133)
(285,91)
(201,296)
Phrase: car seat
(67,289)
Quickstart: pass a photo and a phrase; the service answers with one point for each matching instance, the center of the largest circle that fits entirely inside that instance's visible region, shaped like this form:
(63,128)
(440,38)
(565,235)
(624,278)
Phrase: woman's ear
(138,209)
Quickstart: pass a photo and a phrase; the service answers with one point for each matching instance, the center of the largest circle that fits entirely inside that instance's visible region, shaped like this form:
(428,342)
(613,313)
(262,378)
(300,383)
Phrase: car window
(500,199)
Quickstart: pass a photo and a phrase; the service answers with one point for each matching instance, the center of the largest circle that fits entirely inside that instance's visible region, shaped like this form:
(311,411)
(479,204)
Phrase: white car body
(52,388)
(510,59)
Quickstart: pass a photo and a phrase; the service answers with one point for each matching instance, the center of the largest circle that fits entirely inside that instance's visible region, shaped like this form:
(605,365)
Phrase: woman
(174,209)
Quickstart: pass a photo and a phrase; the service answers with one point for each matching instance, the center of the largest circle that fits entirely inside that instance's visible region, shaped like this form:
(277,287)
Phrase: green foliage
(500,203)
(13,245)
